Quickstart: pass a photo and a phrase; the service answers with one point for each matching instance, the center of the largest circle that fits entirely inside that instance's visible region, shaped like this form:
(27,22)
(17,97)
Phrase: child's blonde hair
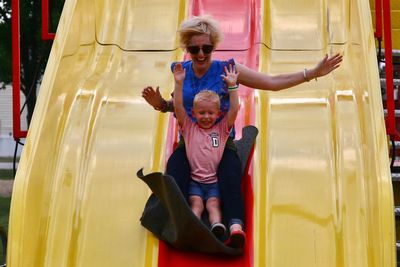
(200,25)
(208,96)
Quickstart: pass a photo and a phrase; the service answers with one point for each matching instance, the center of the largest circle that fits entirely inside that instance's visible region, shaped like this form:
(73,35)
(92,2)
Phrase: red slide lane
(240,21)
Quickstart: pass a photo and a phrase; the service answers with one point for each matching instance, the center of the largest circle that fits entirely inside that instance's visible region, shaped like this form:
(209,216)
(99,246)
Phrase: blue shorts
(205,191)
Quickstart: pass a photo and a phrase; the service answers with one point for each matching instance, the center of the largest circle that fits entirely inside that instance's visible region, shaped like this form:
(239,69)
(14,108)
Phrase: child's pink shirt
(204,148)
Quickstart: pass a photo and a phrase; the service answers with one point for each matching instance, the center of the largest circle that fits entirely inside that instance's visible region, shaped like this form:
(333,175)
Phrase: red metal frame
(390,105)
(378,20)
(16,60)
(16,66)
(46,35)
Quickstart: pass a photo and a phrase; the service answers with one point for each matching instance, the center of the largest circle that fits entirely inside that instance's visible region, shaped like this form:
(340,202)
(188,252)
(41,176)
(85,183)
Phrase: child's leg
(196,203)
(214,215)
(235,227)
(214,211)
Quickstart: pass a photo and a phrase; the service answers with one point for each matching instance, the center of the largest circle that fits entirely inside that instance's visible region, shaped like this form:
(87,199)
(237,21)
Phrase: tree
(5,44)
(34,51)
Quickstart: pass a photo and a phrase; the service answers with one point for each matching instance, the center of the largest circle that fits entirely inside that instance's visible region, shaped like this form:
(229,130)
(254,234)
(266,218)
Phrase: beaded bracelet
(164,105)
(233,88)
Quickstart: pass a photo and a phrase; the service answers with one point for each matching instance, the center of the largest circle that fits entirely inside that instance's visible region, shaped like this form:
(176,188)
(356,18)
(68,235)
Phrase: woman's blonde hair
(207,96)
(200,25)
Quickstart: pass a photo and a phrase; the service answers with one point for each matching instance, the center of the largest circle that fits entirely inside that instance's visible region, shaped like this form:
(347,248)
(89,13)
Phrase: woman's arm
(263,81)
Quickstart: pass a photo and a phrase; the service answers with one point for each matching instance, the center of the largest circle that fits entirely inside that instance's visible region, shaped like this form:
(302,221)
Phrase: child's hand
(231,75)
(179,73)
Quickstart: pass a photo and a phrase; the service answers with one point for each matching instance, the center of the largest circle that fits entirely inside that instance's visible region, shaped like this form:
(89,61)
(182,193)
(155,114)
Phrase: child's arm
(230,78)
(179,76)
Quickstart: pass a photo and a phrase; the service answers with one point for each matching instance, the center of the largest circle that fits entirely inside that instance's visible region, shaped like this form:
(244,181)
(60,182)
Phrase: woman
(199,36)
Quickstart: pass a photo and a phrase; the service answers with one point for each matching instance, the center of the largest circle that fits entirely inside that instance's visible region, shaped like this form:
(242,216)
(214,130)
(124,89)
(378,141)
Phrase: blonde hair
(200,25)
(206,96)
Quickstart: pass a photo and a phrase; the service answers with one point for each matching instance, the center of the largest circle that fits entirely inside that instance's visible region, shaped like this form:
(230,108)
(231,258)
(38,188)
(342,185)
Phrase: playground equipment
(319,187)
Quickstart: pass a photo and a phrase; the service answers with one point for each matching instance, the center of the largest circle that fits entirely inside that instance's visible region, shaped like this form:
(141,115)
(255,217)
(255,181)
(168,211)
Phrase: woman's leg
(179,168)
(229,181)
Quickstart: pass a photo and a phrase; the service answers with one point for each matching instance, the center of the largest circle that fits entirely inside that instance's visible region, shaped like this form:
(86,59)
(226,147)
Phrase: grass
(4,208)
(6,174)
(7,159)
(4,214)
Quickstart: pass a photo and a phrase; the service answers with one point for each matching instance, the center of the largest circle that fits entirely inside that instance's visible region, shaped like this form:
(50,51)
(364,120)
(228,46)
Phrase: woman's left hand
(326,65)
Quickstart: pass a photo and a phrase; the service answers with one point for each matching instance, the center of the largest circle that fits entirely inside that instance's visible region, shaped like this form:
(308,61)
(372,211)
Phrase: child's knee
(196,202)
(212,203)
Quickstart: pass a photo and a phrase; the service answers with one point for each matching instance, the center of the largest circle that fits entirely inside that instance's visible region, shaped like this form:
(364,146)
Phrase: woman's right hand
(153,97)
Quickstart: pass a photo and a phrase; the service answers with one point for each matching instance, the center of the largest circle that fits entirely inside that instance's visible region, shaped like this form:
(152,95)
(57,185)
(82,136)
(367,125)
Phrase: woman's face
(201,58)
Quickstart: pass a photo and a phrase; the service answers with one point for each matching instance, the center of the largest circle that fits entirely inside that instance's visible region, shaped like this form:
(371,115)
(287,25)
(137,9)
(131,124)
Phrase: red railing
(16,60)
(384,5)
(16,74)
(46,35)
(378,20)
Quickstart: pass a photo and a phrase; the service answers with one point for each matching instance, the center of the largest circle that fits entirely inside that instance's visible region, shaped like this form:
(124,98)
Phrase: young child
(205,142)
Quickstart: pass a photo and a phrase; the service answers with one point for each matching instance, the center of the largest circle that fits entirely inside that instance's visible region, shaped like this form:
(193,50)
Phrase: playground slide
(77,200)
(322,185)
(322,191)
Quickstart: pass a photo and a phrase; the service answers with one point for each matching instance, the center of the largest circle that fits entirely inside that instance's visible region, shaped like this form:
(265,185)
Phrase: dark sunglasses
(195,49)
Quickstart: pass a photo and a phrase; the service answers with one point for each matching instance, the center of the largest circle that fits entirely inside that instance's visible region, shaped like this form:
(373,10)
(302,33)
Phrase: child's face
(205,113)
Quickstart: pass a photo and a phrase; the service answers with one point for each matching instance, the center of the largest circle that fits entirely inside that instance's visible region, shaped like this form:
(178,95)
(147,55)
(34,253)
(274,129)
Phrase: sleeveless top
(211,80)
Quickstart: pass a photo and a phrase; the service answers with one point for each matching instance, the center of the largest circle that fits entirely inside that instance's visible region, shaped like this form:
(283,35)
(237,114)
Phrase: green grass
(7,159)
(6,174)
(4,211)
(4,214)
(4,208)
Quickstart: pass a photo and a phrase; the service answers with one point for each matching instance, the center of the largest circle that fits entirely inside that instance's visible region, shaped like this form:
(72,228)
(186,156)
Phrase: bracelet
(233,88)
(305,75)
(163,107)
(169,107)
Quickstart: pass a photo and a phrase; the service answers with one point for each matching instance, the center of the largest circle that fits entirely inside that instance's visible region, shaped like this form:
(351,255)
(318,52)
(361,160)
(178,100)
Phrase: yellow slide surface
(322,186)
(77,201)
(323,193)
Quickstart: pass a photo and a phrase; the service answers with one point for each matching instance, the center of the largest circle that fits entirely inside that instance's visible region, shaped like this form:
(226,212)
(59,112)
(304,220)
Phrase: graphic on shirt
(214,139)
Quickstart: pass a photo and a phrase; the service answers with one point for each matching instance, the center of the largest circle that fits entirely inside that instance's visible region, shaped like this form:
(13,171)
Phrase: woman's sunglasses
(195,49)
